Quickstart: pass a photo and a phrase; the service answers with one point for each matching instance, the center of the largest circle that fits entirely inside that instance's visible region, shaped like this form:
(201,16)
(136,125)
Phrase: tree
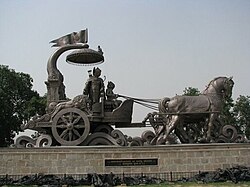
(18,102)
(227,112)
(36,106)
(241,113)
(191,91)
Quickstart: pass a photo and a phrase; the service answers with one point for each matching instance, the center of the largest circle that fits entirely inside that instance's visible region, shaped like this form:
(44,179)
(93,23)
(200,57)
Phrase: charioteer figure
(111,96)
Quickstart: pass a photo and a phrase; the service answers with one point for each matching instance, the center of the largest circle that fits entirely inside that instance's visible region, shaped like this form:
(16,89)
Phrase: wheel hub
(70,126)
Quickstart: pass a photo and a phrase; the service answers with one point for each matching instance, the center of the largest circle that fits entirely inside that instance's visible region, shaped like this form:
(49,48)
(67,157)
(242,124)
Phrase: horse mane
(216,78)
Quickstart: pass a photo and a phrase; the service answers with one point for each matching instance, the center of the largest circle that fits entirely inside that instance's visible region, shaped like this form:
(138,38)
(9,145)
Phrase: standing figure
(94,87)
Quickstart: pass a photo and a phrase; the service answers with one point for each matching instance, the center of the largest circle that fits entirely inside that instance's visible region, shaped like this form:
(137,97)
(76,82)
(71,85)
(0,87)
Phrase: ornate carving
(119,137)
(103,128)
(99,138)
(135,141)
(25,141)
(229,134)
(44,140)
(32,123)
(147,137)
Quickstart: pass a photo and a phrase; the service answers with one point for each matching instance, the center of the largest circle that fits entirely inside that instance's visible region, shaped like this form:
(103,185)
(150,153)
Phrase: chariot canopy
(85,56)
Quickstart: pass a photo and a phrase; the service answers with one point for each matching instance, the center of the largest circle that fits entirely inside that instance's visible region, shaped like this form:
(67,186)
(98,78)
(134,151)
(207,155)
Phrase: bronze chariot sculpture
(90,118)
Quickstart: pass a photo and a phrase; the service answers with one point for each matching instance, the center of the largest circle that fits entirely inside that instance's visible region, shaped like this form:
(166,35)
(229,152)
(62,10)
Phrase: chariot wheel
(70,126)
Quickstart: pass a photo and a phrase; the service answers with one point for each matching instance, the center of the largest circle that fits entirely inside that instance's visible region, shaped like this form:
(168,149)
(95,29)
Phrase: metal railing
(87,179)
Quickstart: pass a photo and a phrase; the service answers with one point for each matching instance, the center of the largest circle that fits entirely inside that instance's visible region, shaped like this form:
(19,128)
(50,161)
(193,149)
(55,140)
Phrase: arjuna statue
(94,87)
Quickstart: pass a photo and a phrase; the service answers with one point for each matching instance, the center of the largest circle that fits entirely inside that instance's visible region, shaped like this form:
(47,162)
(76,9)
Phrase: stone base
(83,160)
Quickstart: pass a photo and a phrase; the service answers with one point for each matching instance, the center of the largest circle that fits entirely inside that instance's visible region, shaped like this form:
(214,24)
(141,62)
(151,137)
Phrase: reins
(144,102)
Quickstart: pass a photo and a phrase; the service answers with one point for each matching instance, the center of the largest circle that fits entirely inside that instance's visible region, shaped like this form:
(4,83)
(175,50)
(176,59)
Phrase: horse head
(228,87)
(221,86)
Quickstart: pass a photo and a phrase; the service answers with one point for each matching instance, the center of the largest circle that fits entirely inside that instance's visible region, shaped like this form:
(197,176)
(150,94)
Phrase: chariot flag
(73,38)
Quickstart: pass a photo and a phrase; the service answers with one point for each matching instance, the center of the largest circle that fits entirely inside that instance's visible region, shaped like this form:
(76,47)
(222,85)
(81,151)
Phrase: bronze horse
(185,109)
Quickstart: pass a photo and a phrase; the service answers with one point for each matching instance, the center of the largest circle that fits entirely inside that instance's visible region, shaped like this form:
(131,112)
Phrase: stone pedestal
(83,160)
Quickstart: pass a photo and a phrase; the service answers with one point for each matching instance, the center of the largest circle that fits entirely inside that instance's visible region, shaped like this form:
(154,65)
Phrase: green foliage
(191,91)
(18,102)
(241,113)
(36,106)
(226,114)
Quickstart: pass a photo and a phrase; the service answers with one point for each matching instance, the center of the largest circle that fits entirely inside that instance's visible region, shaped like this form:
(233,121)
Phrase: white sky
(152,48)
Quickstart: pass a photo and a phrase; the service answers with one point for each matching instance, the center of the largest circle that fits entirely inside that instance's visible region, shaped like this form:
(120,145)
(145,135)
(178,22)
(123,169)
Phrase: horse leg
(212,118)
(182,134)
(168,129)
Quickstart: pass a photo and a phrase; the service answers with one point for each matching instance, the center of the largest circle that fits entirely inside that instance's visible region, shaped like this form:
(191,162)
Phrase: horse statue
(181,110)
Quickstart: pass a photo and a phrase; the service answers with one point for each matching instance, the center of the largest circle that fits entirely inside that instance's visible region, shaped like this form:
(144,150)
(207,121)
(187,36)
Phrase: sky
(152,48)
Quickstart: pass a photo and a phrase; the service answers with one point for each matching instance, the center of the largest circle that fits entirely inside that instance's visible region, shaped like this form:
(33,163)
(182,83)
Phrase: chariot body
(73,123)
(87,119)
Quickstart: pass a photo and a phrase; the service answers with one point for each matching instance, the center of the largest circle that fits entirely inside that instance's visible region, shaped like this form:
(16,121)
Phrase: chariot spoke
(79,126)
(76,133)
(65,137)
(62,126)
(64,119)
(76,120)
(71,117)
(70,135)
(64,133)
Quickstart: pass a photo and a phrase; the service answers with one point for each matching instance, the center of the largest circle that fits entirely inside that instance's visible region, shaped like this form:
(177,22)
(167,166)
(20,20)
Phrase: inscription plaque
(131,162)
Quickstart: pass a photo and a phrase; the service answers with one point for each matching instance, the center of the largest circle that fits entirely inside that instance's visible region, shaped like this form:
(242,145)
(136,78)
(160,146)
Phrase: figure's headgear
(96,69)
